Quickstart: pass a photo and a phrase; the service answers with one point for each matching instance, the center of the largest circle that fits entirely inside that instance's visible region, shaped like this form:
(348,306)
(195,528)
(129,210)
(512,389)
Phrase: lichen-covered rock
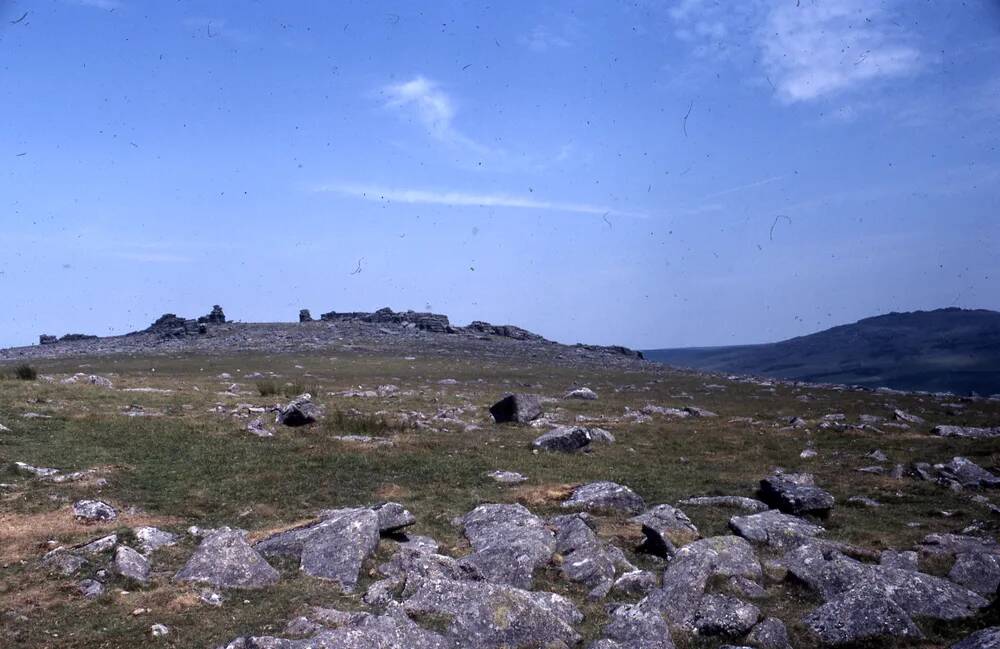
(635,627)
(796,493)
(584,557)
(93,511)
(605,496)
(666,528)
(970,432)
(902,560)
(983,639)
(517,408)
(770,633)
(152,538)
(90,588)
(332,548)
(507,477)
(62,561)
(257,427)
(739,502)
(967,473)
(225,560)
(392,517)
(583,394)
(636,582)
(508,543)
(861,614)
(722,615)
(98,546)
(977,571)
(493,616)
(774,529)
(130,564)
(300,411)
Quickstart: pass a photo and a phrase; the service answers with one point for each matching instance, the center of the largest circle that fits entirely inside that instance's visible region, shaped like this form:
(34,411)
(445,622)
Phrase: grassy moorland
(180,456)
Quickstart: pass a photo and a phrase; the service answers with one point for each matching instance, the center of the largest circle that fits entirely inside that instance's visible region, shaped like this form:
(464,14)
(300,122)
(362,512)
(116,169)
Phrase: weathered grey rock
(902,415)
(728,556)
(605,496)
(982,639)
(698,412)
(774,529)
(568,439)
(394,630)
(92,511)
(796,493)
(91,588)
(494,616)
(901,560)
(333,548)
(741,502)
(508,543)
(62,561)
(666,528)
(970,432)
(745,588)
(98,546)
(584,557)
(37,471)
(860,614)
(305,316)
(635,627)
(583,394)
(130,564)
(152,538)
(967,473)
(832,575)
(507,477)
(636,582)
(863,501)
(225,560)
(257,427)
(770,633)
(300,411)
(977,571)
(877,455)
(722,615)
(392,517)
(517,408)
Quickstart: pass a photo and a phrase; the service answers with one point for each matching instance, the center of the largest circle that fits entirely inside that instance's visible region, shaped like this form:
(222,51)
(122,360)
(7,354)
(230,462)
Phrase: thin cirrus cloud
(807,50)
(434,109)
(469,199)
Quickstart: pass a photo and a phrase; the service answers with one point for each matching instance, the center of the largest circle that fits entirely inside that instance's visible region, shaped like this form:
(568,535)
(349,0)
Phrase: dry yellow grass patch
(542,494)
(24,536)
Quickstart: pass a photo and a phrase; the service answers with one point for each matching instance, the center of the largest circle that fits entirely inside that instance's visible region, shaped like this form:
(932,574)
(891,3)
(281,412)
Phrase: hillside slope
(954,350)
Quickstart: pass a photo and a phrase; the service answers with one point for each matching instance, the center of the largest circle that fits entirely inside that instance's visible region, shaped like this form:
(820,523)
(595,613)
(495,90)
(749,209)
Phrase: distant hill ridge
(944,350)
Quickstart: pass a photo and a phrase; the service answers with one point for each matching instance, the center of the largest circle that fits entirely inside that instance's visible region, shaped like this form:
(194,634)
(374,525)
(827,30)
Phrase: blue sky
(652,174)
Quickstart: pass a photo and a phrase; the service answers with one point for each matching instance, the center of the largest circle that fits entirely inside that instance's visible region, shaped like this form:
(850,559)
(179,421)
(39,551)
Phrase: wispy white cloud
(106,5)
(461,199)
(806,50)
(542,39)
(425,100)
(820,49)
(740,188)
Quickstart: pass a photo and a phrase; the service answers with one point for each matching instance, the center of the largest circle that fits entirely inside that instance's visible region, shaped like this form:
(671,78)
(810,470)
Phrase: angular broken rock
(91,511)
(508,543)
(902,415)
(300,411)
(130,564)
(257,427)
(332,548)
(967,473)
(584,394)
(988,638)
(636,582)
(860,614)
(572,438)
(91,588)
(392,517)
(39,472)
(153,538)
(585,559)
(635,627)
(770,633)
(517,408)
(698,412)
(774,529)
(495,616)
(666,528)
(605,496)
(224,559)
(966,431)
(725,616)
(796,493)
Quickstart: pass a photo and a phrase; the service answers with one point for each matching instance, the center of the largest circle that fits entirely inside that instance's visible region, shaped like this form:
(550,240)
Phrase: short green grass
(187,461)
